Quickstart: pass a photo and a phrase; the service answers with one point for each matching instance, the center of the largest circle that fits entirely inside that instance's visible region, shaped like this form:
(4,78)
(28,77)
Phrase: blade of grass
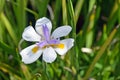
(113,17)
(2,2)
(119,11)
(32,12)
(42,7)
(8,69)
(1,31)
(117,67)
(82,34)
(14,77)
(71,17)
(26,72)
(6,48)
(38,75)
(90,34)
(100,53)
(90,30)
(64,12)
(71,20)
(9,28)
(57,12)
(3,76)
(91,4)
(27,9)
(21,14)
(78,8)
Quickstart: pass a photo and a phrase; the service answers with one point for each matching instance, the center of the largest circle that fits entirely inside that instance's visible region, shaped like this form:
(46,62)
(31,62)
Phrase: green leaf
(8,69)
(25,71)
(100,53)
(90,30)
(6,48)
(9,28)
(2,2)
(57,12)
(64,12)
(78,8)
(91,4)
(42,7)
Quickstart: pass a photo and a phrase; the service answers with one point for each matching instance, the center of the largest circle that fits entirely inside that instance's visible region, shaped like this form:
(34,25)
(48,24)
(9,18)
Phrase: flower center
(55,43)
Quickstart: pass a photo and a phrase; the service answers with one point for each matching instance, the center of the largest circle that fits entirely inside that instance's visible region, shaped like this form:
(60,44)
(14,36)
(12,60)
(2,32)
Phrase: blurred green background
(95,26)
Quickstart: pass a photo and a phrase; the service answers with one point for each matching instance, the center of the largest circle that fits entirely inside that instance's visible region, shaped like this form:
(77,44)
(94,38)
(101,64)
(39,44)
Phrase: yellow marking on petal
(35,49)
(60,46)
(55,45)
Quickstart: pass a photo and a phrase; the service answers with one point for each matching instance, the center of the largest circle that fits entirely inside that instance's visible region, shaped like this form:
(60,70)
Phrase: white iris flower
(47,44)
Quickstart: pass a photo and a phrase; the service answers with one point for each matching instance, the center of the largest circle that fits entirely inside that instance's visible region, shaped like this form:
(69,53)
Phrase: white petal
(28,56)
(43,21)
(61,31)
(68,44)
(49,55)
(29,34)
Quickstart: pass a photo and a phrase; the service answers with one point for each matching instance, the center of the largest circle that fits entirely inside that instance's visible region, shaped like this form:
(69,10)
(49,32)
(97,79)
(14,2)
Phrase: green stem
(45,69)
(74,55)
(100,53)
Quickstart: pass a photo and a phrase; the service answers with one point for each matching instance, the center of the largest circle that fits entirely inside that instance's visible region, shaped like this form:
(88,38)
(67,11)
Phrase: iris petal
(68,44)
(29,34)
(49,55)
(61,31)
(39,25)
(30,56)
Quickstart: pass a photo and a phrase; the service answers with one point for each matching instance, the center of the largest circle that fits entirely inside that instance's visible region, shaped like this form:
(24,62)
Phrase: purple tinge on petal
(46,32)
(42,44)
(54,41)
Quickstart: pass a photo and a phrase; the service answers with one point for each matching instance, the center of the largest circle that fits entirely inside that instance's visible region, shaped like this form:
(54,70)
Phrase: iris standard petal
(29,55)
(29,34)
(49,55)
(40,22)
(68,44)
(61,31)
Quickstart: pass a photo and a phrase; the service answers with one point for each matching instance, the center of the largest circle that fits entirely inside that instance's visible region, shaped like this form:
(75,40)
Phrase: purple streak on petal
(54,41)
(46,32)
(42,44)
